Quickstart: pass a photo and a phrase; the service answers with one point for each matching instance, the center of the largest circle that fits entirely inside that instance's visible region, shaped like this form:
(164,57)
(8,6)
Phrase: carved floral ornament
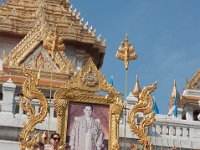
(81,88)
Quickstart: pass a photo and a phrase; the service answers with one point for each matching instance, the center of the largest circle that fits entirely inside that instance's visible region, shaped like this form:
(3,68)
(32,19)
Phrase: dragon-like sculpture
(31,92)
(144,105)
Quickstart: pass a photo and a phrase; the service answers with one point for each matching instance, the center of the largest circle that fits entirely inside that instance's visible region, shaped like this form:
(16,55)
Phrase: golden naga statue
(144,105)
(31,92)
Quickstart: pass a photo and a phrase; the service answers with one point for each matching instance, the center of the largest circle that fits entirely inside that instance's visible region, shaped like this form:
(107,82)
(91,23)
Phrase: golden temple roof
(18,17)
(194,81)
(45,26)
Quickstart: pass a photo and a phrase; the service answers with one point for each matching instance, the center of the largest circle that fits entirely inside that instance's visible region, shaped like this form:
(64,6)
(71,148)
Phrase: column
(180,113)
(8,97)
(51,112)
(189,113)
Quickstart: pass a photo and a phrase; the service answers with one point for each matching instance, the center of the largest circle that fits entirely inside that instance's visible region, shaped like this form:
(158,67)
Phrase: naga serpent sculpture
(30,92)
(144,105)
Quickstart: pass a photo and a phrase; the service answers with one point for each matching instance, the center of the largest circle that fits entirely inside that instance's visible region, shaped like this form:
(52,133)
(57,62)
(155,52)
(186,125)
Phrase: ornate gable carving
(91,79)
(40,60)
(27,52)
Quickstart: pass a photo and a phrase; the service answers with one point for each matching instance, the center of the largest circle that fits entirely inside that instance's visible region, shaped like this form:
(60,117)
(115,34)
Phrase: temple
(51,38)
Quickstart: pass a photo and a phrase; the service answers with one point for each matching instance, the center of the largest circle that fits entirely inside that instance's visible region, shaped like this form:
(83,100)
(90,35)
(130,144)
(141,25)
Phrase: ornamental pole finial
(126,52)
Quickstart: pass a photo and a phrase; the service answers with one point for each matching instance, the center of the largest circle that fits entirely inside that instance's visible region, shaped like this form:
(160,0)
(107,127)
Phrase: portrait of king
(88,127)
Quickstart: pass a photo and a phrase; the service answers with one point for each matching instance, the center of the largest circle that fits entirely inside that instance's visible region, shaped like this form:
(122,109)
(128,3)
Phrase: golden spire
(136,90)
(173,94)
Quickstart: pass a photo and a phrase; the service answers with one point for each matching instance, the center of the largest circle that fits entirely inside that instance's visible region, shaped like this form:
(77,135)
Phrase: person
(54,143)
(38,146)
(86,133)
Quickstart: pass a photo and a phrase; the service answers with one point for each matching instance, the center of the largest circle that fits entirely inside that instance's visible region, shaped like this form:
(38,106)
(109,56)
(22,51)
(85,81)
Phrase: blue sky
(165,34)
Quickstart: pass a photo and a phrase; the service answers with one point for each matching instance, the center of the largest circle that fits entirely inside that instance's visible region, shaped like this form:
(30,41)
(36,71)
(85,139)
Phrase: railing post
(8,97)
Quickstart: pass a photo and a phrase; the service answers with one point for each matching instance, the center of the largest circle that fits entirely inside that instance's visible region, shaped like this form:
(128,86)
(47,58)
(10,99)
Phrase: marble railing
(18,110)
(168,132)
(171,126)
(17,118)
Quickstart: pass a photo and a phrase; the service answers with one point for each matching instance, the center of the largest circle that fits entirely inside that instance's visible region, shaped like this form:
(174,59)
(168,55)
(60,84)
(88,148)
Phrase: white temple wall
(9,145)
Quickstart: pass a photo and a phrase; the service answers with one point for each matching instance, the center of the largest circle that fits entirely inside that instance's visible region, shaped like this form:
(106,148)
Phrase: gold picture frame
(85,87)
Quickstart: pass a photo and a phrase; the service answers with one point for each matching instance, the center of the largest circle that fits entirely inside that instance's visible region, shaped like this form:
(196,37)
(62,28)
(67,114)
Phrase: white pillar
(199,103)
(189,113)
(51,112)
(180,113)
(8,97)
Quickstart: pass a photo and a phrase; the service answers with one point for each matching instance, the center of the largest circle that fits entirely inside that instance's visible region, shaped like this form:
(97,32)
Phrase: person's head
(54,139)
(88,109)
(38,146)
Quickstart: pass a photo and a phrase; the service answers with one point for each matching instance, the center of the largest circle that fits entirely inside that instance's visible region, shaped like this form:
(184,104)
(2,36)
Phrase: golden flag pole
(126,53)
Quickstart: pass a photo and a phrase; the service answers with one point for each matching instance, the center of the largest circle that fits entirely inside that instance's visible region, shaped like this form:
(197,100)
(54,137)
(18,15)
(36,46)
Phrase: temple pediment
(42,49)
(40,59)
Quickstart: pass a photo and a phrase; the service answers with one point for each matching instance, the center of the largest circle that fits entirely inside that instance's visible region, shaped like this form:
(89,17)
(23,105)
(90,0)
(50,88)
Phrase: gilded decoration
(126,52)
(144,105)
(20,17)
(5,57)
(90,78)
(174,94)
(82,88)
(54,43)
(193,83)
(40,60)
(51,53)
(30,92)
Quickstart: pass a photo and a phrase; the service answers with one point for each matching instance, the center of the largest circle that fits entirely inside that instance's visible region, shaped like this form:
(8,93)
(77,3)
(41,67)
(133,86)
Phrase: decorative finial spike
(174,83)
(126,38)
(94,33)
(81,21)
(90,29)
(137,89)
(74,12)
(78,15)
(99,38)
(86,25)
(174,93)
(104,43)
(70,8)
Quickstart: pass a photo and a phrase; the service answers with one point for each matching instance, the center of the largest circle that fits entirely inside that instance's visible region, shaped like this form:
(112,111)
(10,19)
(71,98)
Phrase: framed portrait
(88,110)
(88,123)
